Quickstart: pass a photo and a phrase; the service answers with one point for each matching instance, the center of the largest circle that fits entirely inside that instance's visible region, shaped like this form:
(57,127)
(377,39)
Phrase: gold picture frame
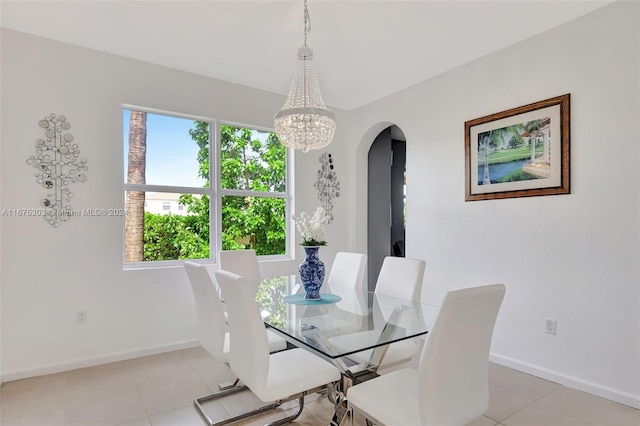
(521,152)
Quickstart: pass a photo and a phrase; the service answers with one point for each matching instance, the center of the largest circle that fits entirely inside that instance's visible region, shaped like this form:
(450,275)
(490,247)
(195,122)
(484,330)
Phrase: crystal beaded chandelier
(304,122)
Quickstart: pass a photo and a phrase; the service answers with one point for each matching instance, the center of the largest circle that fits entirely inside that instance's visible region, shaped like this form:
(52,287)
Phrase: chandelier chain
(307,22)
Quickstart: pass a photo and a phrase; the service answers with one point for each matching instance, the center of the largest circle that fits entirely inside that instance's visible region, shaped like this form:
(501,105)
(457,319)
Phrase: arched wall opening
(382,179)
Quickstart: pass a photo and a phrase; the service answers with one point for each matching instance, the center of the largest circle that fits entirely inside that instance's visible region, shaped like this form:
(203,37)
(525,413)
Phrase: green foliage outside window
(249,160)
(170,237)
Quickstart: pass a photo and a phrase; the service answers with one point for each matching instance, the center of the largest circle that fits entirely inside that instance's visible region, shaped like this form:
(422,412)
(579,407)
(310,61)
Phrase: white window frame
(215,192)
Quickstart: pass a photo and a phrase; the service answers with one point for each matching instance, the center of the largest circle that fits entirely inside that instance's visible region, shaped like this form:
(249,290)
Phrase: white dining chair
(277,377)
(401,277)
(244,263)
(241,262)
(211,328)
(451,386)
(348,270)
(347,273)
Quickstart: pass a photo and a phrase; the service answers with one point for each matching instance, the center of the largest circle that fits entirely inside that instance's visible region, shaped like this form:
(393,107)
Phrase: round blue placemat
(325,299)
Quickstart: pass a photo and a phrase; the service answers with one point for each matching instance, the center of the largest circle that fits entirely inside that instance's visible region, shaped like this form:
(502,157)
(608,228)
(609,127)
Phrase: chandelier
(304,122)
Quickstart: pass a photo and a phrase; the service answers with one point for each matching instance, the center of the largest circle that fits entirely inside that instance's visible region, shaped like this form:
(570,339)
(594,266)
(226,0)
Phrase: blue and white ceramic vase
(312,273)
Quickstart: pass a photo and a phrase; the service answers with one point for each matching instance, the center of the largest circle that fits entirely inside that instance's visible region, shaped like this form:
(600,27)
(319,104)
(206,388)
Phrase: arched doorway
(386,199)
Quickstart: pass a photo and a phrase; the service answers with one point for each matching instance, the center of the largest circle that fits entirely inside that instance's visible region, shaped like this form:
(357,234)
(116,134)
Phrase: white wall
(570,257)
(49,274)
(1,204)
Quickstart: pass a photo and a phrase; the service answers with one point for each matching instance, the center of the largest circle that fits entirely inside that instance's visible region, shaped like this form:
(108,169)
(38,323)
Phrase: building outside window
(194,187)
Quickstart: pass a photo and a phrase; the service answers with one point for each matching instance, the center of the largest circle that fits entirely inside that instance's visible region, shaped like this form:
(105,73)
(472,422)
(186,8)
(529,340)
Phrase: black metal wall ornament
(58,164)
(327,184)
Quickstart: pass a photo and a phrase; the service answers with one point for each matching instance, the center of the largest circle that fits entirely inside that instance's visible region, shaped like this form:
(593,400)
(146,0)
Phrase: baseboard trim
(93,361)
(568,381)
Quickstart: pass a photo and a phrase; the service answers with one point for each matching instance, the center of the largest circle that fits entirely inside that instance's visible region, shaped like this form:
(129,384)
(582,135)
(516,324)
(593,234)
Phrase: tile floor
(158,390)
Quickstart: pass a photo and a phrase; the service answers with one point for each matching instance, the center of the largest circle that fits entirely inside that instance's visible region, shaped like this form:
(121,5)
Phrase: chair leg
(343,412)
(198,404)
(290,418)
(350,415)
(228,385)
(330,392)
(253,412)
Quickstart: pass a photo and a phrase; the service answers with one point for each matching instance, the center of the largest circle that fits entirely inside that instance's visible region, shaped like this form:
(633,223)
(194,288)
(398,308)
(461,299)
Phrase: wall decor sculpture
(327,184)
(58,164)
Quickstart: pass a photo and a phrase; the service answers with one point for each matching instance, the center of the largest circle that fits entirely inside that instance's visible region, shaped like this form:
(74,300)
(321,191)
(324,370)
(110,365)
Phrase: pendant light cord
(307,22)
(307,30)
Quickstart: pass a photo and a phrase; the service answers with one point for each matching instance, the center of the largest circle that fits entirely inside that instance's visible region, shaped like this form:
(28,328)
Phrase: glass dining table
(345,327)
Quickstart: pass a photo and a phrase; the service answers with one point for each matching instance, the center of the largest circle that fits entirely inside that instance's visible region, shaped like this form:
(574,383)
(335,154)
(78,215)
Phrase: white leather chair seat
(276,343)
(284,378)
(399,352)
(397,392)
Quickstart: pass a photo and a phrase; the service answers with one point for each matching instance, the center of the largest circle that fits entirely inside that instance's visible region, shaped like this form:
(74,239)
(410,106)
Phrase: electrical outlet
(550,326)
(81,317)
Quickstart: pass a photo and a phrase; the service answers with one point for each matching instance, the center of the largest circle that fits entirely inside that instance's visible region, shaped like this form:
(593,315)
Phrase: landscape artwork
(520,152)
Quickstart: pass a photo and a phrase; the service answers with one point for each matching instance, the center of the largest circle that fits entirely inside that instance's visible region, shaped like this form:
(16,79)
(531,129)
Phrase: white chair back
(240,262)
(209,310)
(249,347)
(454,364)
(401,277)
(348,270)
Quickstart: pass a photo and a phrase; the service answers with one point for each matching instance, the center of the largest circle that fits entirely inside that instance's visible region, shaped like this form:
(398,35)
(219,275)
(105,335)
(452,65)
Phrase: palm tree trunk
(134,220)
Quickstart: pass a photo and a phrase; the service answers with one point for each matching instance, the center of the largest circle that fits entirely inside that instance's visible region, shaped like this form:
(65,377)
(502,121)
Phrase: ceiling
(363,50)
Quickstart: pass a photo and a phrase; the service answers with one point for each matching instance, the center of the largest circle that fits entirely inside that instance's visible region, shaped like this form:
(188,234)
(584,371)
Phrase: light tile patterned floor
(159,390)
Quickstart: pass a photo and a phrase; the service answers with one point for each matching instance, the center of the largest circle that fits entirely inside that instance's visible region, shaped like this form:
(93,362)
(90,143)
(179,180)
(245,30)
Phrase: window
(229,184)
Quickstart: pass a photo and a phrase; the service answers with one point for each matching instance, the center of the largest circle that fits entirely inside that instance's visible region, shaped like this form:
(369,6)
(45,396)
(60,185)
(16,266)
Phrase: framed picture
(522,152)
